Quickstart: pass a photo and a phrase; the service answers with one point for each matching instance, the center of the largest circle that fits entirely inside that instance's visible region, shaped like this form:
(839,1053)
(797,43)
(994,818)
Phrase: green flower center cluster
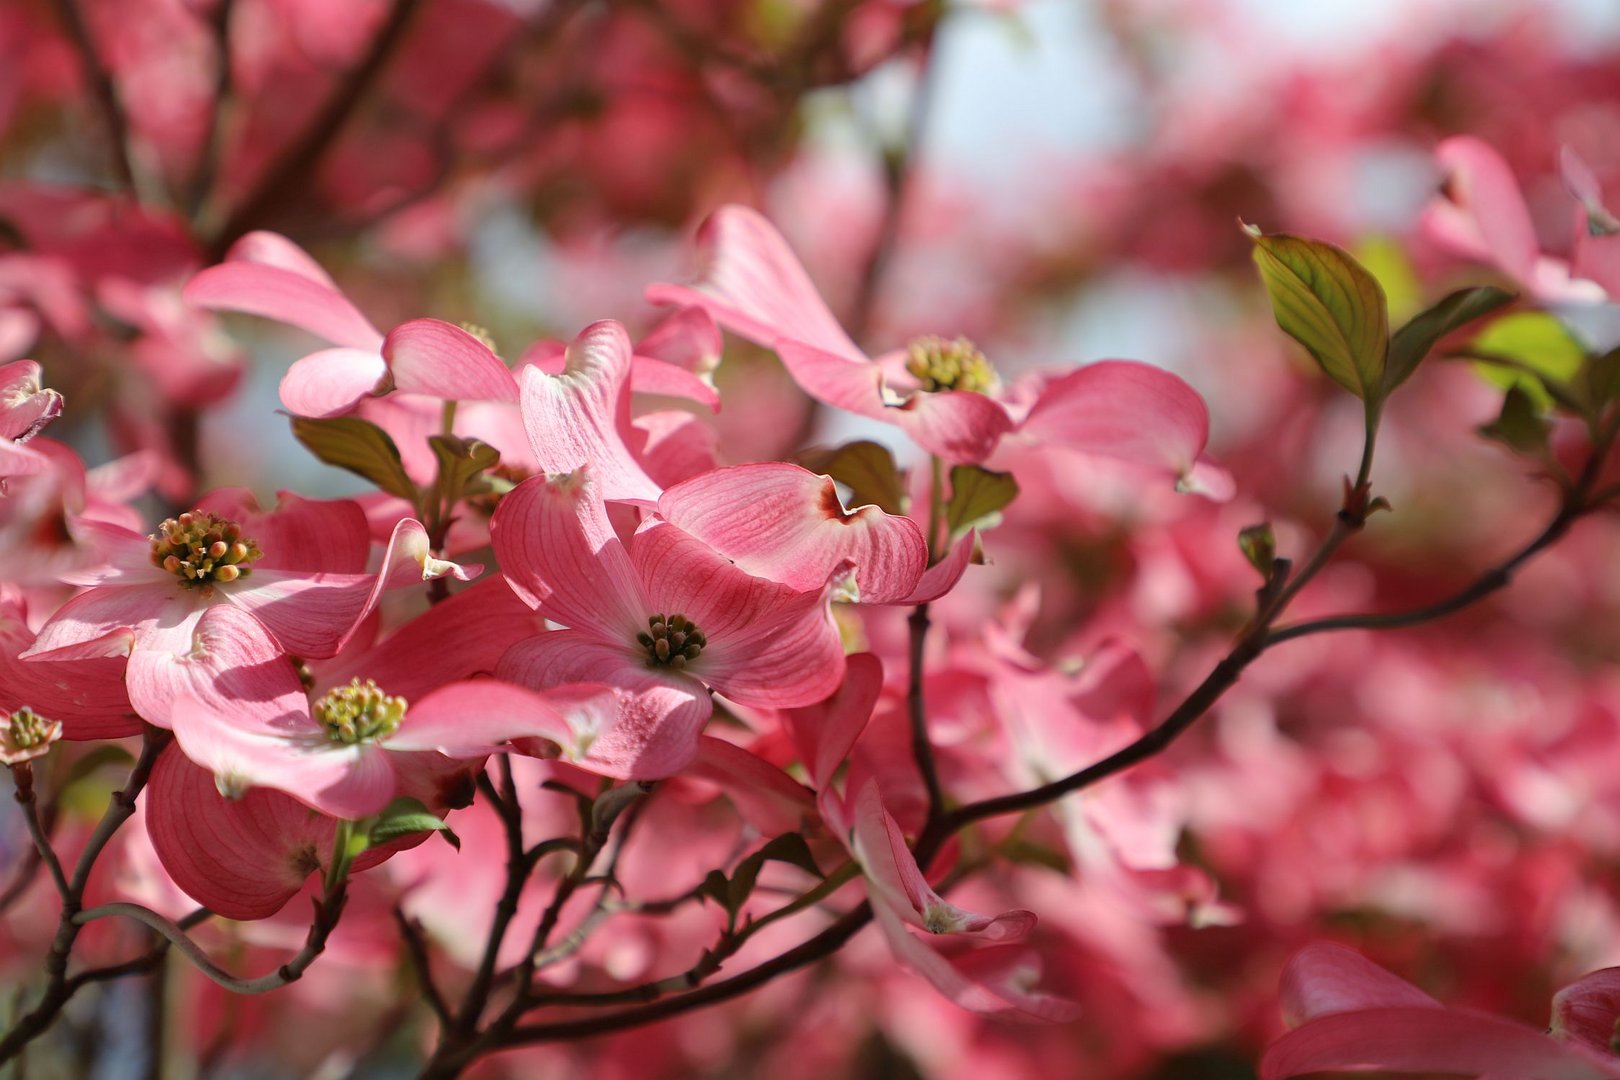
(672,640)
(938,364)
(27,729)
(359,712)
(203,549)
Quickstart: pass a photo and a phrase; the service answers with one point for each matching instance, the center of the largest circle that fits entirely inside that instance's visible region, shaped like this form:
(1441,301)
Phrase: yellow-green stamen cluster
(26,729)
(485,338)
(672,641)
(358,712)
(203,549)
(938,364)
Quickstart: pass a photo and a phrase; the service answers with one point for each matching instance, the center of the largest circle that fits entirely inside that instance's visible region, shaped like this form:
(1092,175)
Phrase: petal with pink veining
(560,554)
(312,615)
(825,732)
(313,535)
(649,376)
(767,644)
(1420,1039)
(853,385)
(769,799)
(474,717)
(1324,978)
(330,382)
(942,577)
(458,638)
(959,426)
(1588,1010)
(241,859)
(220,655)
(107,620)
(309,614)
(1129,411)
(688,342)
(753,285)
(675,445)
(432,357)
(582,416)
(1482,214)
(273,249)
(645,728)
(785,523)
(284,295)
(893,873)
(86,696)
(287,750)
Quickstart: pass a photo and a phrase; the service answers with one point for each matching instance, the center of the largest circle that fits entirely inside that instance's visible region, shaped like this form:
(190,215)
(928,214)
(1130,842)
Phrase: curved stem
(138,965)
(921,748)
(1497,577)
(43,852)
(327,912)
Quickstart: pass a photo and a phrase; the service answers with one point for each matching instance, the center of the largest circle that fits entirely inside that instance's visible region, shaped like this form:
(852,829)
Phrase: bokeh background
(1059,180)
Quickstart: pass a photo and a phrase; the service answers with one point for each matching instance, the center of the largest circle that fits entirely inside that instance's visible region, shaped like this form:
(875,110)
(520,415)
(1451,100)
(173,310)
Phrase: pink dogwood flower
(943,394)
(661,617)
(337,755)
(267,274)
(676,358)
(26,406)
(299,570)
(1482,215)
(1000,978)
(245,858)
(1351,1014)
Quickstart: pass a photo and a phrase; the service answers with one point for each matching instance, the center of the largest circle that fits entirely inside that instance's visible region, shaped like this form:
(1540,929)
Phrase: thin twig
(138,965)
(289,176)
(57,991)
(328,909)
(208,161)
(922,749)
(410,930)
(22,776)
(103,89)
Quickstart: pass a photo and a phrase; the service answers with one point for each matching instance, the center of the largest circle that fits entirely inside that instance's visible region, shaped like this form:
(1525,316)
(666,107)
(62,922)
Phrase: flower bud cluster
(950,365)
(27,735)
(202,549)
(672,641)
(359,712)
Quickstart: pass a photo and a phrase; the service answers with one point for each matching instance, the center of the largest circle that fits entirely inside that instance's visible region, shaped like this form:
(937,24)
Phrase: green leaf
(359,446)
(867,469)
(105,754)
(1533,351)
(789,848)
(1387,263)
(1412,342)
(406,816)
(716,888)
(462,463)
(1600,380)
(978,496)
(1520,426)
(1259,546)
(1330,304)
